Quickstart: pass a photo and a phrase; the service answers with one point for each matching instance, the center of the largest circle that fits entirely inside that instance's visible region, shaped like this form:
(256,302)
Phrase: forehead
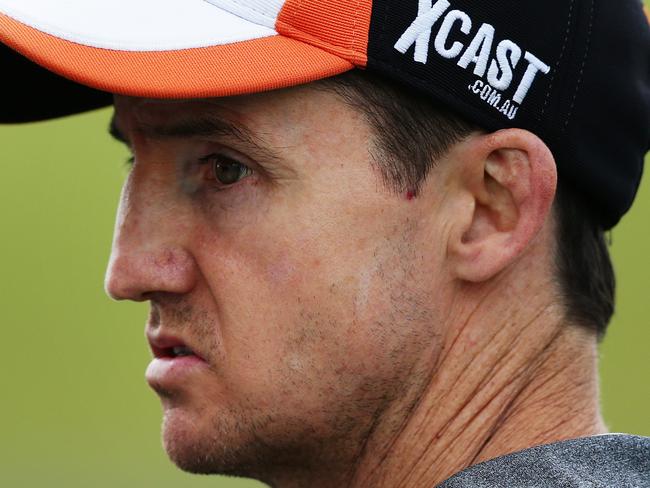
(305,107)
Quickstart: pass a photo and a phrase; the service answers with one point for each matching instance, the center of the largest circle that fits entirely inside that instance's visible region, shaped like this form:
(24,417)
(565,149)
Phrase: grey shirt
(604,461)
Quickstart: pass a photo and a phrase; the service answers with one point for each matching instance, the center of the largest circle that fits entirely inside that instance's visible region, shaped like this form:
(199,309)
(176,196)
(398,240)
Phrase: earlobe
(511,177)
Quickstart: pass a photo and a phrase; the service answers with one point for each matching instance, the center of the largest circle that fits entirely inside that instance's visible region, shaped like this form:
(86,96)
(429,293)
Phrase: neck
(503,382)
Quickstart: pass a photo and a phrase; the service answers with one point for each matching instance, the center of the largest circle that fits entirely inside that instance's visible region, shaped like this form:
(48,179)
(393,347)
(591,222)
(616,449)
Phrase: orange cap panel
(337,26)
(232,69)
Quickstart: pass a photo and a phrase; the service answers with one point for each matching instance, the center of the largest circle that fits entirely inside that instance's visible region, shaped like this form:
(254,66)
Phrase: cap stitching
(291,15)
(352,46)
(582,66)
(559,60)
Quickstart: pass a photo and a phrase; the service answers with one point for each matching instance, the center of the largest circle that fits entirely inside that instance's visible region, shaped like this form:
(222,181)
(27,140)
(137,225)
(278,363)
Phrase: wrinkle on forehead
(259,111)
(237,107)
(155,113)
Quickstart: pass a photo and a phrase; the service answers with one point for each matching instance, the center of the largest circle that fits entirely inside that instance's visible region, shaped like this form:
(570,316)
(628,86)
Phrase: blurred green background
(75,410)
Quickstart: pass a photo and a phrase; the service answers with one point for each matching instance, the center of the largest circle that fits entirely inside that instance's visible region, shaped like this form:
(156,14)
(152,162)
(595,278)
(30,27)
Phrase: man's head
(266,234)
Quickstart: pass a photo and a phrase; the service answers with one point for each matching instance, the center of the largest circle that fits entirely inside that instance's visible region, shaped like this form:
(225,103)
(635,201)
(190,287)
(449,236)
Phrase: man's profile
(371,233)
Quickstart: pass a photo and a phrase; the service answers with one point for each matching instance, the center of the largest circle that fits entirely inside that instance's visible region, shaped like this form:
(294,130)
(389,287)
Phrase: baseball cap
(574,72)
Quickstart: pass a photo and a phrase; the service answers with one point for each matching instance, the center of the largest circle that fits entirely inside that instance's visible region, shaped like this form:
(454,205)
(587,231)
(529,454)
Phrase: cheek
(256,281)
(273,303)
(306,315)
(282,271)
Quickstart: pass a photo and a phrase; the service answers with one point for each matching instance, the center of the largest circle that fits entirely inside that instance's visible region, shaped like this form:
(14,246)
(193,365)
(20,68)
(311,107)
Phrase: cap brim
(231,57)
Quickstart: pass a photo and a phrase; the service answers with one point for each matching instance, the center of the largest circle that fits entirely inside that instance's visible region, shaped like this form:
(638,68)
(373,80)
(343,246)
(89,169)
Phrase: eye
(226,170)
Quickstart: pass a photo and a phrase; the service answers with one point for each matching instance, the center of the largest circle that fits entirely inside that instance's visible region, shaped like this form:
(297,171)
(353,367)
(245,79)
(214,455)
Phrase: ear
(507,181)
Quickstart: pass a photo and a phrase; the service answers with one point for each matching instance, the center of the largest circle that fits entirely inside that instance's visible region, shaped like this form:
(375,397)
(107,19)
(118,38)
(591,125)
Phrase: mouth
(172,352)
(173,362)
(165,346)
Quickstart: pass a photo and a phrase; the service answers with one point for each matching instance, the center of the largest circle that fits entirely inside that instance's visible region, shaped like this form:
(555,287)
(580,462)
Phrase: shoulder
(600,461)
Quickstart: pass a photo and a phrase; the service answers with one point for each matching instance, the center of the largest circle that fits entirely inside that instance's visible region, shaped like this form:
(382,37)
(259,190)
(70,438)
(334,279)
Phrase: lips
(165,346)
(174,360)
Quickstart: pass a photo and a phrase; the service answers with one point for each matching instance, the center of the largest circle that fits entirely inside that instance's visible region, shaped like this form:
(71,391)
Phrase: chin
(211,446)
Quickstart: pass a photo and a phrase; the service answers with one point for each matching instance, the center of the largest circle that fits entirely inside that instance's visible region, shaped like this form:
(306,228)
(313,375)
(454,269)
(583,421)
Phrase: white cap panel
(263,12)
(137,25)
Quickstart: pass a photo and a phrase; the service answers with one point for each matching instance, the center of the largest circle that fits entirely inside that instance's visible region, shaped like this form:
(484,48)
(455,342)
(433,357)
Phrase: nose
(150,252)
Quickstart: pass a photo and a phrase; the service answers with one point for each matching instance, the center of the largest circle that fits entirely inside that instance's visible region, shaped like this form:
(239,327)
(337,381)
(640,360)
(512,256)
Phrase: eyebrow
(204,126)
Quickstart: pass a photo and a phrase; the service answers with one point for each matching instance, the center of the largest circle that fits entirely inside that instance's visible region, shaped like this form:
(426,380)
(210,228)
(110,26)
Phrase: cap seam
(351,45)
(559,60)
(347,51)
(582,65)
(289,31)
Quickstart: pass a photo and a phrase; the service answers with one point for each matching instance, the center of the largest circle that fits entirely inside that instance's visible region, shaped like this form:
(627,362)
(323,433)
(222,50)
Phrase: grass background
(75,410)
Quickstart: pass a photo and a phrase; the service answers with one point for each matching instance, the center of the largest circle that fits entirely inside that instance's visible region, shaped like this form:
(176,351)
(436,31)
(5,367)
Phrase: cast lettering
(443,34)
(535,66)
(498,67)
(419,32)
(508,55)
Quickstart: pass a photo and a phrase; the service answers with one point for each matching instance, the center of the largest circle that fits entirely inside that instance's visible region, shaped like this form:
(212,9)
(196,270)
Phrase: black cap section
(574,72)
(32,93)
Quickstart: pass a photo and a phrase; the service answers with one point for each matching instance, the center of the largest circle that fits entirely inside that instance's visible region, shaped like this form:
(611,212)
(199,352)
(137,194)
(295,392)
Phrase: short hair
(413,132)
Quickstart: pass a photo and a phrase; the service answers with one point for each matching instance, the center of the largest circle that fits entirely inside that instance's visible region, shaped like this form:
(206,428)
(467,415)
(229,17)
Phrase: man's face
(267,243)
